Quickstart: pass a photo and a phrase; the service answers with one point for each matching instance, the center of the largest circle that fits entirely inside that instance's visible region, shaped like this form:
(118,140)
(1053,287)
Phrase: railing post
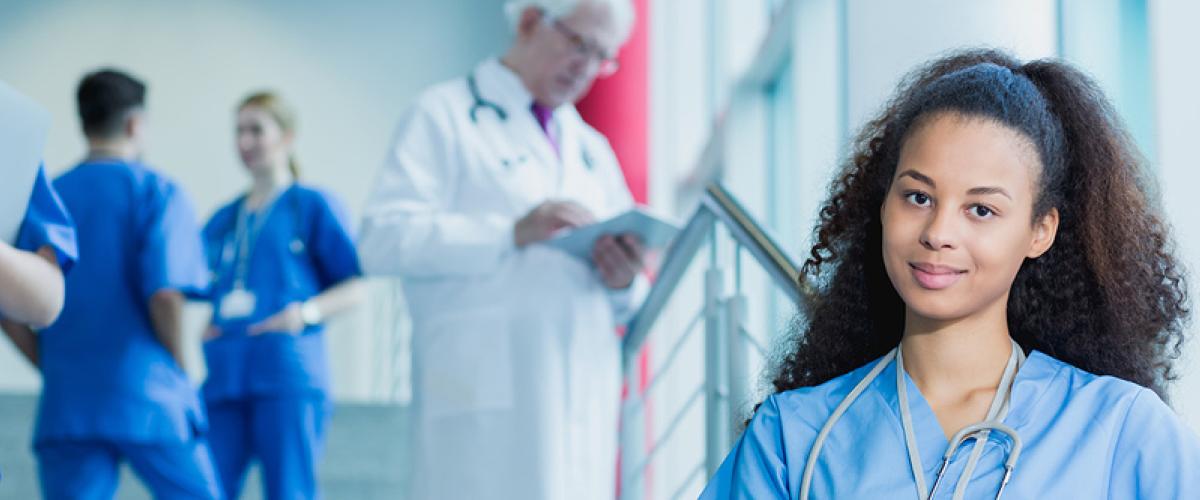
(633,441)
(739,370)
(716,392)
(728,384)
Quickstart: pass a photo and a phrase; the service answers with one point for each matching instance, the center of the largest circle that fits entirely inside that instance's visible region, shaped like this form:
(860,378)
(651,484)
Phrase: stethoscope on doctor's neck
(478,103)
(481,103)
(979,432)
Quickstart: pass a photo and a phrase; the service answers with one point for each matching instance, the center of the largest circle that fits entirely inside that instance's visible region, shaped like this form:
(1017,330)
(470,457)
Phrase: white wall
(680,111)
(350,68)
(886,39)
(1174,39)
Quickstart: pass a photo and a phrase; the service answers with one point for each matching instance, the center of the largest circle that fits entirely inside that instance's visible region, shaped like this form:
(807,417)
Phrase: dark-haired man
(114,387)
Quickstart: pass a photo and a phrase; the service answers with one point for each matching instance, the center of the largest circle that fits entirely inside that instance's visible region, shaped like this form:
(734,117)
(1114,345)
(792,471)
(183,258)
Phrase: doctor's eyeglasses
(608,62)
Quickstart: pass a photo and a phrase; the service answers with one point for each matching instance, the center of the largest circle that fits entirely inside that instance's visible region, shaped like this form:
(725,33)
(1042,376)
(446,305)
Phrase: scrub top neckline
(1028,386)
(269,204)
(111,161)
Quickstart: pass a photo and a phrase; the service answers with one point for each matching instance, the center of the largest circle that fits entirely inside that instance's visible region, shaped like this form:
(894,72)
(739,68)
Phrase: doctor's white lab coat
(516,362)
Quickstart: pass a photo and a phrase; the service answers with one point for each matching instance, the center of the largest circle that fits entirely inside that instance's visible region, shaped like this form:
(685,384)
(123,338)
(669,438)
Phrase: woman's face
(958,218)
(262,144)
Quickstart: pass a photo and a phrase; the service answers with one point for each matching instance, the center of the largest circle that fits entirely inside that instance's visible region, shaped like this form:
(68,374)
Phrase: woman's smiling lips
(935,276)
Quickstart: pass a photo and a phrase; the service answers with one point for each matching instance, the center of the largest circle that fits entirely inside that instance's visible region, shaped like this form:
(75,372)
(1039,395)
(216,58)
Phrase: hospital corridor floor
(364,455)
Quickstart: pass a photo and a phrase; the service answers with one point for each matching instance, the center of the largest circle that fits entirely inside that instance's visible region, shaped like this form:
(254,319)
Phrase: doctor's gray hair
(622,10)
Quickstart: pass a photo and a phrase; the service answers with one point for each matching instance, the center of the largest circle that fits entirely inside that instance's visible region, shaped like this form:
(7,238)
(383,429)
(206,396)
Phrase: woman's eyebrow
(918,176)
(989,190)
(982,190)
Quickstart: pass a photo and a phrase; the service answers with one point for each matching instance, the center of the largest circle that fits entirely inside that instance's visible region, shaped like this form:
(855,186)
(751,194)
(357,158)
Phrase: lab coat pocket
(467,363)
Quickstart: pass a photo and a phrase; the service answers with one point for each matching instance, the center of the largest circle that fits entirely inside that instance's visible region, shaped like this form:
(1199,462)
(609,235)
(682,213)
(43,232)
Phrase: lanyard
(240,245)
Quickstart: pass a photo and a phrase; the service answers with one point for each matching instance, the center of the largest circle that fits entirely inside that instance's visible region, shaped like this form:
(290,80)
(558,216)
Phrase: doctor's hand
(619,260)
(541,222)
(289,320)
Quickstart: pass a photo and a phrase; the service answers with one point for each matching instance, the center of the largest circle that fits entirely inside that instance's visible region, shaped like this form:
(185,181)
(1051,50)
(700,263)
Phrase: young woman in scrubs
(284,260)
(989,255)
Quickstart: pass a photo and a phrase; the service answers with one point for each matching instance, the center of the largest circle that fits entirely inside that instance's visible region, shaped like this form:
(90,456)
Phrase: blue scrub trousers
(286,435)
(88,469)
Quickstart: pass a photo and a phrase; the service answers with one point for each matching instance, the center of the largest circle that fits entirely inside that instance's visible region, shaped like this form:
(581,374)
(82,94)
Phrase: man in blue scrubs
(114,387)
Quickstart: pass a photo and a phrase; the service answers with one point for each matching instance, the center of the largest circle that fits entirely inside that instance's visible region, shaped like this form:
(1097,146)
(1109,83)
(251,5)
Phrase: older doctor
(516,359)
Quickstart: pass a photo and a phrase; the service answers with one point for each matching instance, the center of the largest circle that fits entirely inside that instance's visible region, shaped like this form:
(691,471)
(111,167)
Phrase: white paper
(23,128)
(654,233)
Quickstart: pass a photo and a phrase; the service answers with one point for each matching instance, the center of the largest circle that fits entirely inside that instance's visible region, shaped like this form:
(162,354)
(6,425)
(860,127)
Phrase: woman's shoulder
(1154,452)
(1135,416)
(316,200)
(811,406)
(1081,386)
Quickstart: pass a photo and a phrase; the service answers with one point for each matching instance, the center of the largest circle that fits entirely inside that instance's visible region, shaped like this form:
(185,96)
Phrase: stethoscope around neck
(979,431)
(478,103)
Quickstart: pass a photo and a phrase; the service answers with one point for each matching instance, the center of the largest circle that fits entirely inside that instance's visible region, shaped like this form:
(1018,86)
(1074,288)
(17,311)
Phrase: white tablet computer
(23,128)
(654,233)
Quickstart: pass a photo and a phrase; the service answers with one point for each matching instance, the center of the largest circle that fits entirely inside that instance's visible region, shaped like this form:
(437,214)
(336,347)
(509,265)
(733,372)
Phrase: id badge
(238,303)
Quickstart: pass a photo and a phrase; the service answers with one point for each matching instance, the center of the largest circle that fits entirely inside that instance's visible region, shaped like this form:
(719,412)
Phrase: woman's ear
(1044,231)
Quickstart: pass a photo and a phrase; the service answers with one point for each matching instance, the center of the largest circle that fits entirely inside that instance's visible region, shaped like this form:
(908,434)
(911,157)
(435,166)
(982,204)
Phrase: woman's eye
(981,211)
(918,198)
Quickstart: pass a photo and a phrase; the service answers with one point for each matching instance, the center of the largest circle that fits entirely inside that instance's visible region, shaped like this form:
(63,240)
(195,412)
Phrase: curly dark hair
(1108,297)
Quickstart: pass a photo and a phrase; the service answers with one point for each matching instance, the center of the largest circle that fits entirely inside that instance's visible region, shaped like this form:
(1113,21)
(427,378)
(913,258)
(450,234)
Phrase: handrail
(717,205)
(750,235)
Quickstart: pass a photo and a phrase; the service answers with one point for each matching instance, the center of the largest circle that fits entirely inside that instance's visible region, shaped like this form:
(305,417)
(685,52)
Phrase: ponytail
(1111,231)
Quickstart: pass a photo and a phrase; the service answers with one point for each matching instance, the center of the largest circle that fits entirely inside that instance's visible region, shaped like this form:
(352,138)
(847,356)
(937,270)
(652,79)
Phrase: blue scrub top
(305,247)
(47,223)
(105,373)
(1085,436)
